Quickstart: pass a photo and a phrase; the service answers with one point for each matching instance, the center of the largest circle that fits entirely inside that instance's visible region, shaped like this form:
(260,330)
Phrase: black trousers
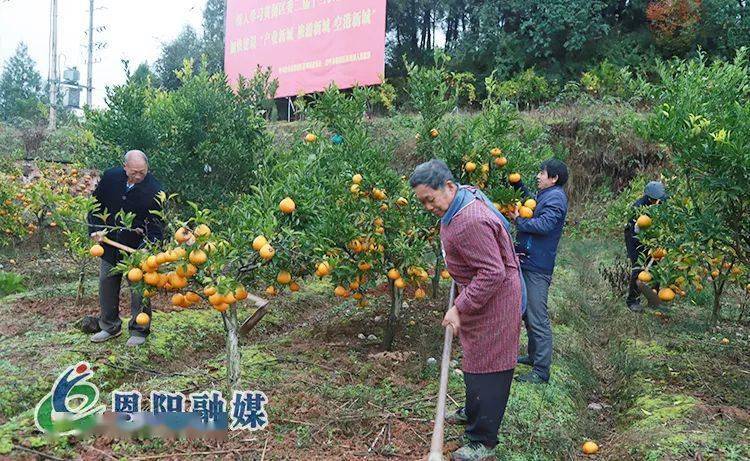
(636,250)
(486,398)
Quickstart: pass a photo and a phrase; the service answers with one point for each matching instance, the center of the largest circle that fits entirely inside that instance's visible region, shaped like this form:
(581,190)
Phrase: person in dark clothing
(654,194)
(537,240)
(130,189)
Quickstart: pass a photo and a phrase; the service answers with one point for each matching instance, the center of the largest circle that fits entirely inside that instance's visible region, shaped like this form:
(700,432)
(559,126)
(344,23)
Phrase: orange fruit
(221,307)
(161,258)
(357,296)
(500,162)
(658,253)
(364,266)
(192,297)
(444,274)
(229,298)
(645,276)
(399,283)
(725,341)
(310,137)
(284,278)
(470,167)
(198,257)
(287,206)
(354,285)
(383,208)
(378,221)
(209,291)
(643,221)
(496,152)
(525,212)
(294,286)
(267,252)
(240,293)
(271,290)
(380,230)
(152,262)
(180,252)
(203,231)
(485,168)
(172,256)
(259,242)
(142,319)
(394,274)
(178,300)
(590,448)
(151,278)
(514,178)
(357,179)
(340,291)
(323,269)
(419,293)
(530,203)
(434,133)
(666,294)
(354,189)
(182,235)
(215,299)
(135,275)
(401,201)
(378,194)
(96,251)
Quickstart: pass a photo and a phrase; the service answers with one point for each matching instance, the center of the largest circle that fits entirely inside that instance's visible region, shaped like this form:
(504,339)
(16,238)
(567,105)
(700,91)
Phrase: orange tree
(367,229)
(207,261)
(702,116)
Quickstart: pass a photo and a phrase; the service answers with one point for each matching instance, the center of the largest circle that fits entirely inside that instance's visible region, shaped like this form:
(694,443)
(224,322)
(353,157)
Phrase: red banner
(308,44)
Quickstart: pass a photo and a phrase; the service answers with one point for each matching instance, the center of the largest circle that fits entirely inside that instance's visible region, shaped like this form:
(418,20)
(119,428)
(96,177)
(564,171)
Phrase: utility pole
(53,68)
(89,74)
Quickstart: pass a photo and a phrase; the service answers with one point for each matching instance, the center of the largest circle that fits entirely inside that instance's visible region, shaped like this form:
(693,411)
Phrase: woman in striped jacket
(486,316)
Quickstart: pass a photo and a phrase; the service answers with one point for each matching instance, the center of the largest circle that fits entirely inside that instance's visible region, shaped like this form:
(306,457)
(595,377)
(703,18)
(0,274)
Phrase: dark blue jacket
(537,237)
(112,196)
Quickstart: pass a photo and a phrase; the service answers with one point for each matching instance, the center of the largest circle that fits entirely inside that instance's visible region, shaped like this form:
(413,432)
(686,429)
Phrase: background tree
(21,92)
(187,45)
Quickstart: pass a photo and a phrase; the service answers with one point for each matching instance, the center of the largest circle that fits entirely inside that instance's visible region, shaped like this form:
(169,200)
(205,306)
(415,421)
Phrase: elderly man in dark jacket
(130,189)
(653,194)
(537,240)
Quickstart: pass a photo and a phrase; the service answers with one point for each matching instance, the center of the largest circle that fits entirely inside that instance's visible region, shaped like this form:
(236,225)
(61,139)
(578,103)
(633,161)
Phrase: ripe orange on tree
(267,252)
(97,251)
(419,293)
(643,221)
(514,178)
(645,276)
(666,294)
(135,275)
(500,162)
(434,132)
(311,137)
(394,274)
(287,206)
(203,231)
(198,257)
(284,278)
(142,319)
(240,293)
(357,179)
(470,167)
(259,242)
(496,152)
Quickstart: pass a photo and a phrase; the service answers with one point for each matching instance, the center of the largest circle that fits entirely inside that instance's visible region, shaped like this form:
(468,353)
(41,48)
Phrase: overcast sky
(135,30)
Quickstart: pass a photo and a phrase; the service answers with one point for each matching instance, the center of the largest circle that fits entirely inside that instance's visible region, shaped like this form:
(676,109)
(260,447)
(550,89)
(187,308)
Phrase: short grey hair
(433,174)
(139,153)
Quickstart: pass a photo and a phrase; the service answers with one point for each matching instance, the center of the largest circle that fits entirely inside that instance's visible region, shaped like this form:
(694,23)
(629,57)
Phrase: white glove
(636,229)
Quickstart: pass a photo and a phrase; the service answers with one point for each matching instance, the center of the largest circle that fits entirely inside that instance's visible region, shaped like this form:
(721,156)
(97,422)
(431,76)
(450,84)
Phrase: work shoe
(525,360)
(473,451)
(635,307)
(103,336)
(457,417)
(134,341)
(530,377)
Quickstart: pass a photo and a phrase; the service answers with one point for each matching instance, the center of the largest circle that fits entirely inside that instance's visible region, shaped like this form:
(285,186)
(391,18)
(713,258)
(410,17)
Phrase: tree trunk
(436,276)
(393,318)
(79,292)
(716,311)
(233,348)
